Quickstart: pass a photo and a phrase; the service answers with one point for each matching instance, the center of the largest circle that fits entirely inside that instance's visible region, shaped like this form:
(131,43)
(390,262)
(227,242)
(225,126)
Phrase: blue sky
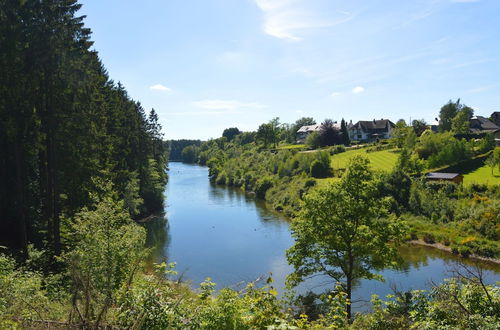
(206,65)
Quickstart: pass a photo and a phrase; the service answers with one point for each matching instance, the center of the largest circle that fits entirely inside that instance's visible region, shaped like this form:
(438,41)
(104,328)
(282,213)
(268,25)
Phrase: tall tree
(230,133)
(329,134)
(460,123)
(345,133)
(447,113)
(342,231)
(268,133)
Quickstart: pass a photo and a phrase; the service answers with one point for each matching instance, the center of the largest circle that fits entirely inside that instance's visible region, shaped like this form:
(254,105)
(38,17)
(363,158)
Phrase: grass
(380,160)
(292,146)
(475,171)
(483,175)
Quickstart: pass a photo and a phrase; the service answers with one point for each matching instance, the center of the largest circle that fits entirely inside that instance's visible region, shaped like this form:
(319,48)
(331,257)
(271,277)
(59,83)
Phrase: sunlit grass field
(380,160)
(483,175)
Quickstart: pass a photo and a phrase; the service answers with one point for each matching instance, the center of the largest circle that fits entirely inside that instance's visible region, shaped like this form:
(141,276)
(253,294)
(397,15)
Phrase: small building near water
(450,177)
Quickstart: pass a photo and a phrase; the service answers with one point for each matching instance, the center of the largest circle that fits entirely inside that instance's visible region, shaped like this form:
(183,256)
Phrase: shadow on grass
(466,166)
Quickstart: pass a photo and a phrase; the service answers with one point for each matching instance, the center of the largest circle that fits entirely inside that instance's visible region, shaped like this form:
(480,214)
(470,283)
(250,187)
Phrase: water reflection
(232,237)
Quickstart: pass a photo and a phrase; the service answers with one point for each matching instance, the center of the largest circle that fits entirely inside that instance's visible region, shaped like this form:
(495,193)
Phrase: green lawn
(380,160)
(482,175)
(292,146)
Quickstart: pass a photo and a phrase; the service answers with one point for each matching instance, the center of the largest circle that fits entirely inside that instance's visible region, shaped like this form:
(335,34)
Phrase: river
(229,236)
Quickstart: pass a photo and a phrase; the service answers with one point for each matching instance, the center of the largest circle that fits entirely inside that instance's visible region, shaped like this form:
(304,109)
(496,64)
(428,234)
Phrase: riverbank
(448,249)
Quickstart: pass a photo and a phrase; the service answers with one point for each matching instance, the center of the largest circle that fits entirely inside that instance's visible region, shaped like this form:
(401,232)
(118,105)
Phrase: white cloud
(358,89)
(160,87)
(286,19)
(228,105)
(335,94)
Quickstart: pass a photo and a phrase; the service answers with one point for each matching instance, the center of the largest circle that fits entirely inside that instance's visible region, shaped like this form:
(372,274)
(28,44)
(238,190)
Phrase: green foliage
(262,186)
(447,113)
(460,122)
(64,122)
(442,149)
(268,134)
(320,169)
(348,218)
(456,304)
(108,249)
(231,133)
(313,140)
(190,154)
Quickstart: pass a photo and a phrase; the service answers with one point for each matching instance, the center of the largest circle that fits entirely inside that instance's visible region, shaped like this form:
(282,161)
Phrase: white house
(304,131)
(371,130)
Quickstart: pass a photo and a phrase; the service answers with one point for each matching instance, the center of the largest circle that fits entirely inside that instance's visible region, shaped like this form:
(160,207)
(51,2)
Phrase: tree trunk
(20,200)
(349,294)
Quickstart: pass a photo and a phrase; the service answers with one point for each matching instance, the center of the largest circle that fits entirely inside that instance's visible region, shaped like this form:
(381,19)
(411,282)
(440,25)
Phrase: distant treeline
(66,129)
(175,147)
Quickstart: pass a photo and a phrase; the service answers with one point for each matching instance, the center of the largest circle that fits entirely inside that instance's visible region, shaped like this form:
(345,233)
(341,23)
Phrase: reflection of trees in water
(417,256)
(158,237)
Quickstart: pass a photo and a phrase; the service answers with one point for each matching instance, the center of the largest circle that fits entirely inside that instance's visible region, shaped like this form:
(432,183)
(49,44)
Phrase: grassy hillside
(380,160)
(482,175)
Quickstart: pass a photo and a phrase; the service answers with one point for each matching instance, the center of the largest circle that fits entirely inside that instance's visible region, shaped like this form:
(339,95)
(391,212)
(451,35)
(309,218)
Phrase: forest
(84,166)
(67,130)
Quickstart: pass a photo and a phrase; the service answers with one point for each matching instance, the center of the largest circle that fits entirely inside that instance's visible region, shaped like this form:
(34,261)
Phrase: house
(495,118)
(371,130)
(496,135)
(304,131)
(450,177)
(480,124)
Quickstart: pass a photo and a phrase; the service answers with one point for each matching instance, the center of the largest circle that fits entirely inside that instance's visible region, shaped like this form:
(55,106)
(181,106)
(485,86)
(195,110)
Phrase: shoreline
(445,248)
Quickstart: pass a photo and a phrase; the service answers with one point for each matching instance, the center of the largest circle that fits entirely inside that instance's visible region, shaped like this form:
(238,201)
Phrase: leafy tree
(230,133)
(108,249)
(493,160)
(268,133)
(345,133)
(304,121)
(190,154)
(313,140)
(460,123)
(419,126)
(329,134)
(342,231)
(447,113)
(399,133)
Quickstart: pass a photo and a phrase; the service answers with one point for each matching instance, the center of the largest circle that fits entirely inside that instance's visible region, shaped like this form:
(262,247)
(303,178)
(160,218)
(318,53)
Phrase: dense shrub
(319,169)
(262,186)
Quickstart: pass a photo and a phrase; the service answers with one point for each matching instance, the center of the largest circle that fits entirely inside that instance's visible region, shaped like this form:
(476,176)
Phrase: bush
(337,149)
(262,186)
(319,169)
(429,238)
(313,140)
(464,251)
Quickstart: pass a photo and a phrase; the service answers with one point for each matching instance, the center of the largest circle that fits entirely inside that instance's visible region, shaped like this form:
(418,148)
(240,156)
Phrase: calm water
(231,237)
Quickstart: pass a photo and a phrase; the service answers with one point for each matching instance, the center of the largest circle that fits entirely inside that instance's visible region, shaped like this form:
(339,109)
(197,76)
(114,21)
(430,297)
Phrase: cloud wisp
(286,19)
(358,89)
(219,107)
(161,88)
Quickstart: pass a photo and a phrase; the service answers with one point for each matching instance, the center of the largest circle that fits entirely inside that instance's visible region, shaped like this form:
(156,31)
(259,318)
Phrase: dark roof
(370,125)
(442,176)
(480,123)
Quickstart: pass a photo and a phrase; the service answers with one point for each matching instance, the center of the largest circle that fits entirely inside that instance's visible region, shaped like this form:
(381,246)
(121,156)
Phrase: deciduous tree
(343,232)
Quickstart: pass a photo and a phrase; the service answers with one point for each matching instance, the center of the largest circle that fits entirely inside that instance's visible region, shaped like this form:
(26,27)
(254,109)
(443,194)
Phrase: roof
(370,125)
(310,128)
(480,123)
(442,176)
(315,128)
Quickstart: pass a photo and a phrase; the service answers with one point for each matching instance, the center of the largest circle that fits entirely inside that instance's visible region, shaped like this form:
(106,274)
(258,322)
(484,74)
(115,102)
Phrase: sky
(206,65)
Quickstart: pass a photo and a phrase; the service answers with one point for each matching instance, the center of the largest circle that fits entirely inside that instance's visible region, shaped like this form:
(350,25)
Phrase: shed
(452,177)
